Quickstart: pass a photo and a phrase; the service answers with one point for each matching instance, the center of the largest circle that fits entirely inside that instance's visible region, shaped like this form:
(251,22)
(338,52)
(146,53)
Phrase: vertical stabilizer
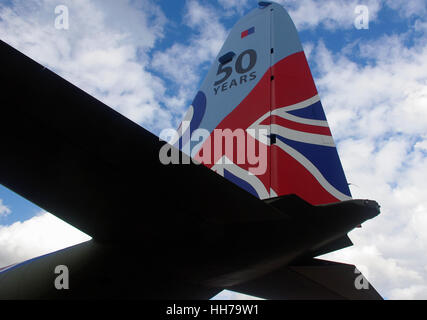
(257,119)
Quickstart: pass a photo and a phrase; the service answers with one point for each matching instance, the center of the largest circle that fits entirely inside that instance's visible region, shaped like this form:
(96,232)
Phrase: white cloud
(37,236)
(340,14)
(231,295)
(104,51)
(183,63)
(332,14)
(409,293)
(308,49)
(378,114)
(236,6)
(387,95)
(408,8)
(4,210)
(420,26)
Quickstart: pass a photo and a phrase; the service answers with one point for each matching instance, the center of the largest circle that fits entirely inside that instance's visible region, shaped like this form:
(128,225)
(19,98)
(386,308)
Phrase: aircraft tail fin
(257,119)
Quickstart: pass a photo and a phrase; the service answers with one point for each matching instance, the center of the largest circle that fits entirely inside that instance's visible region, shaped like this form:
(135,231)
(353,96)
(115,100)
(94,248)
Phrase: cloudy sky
(146,59)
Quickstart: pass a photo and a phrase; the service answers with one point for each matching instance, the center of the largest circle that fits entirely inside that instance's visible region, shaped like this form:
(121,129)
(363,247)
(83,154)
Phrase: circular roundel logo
(199,109)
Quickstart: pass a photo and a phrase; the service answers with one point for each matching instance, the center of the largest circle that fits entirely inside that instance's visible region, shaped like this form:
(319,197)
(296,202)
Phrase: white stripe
(273,193)
(225,163)
(313,170)
(257,126)
(282,113)
(254,129)
(311,138)
(302,104)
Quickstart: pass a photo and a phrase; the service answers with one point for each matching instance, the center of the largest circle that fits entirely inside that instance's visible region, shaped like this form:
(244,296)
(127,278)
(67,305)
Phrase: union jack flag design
(304,154)
(301,154)
(268,93)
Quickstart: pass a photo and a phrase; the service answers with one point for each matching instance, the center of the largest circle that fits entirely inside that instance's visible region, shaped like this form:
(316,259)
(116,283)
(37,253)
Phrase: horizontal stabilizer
(314,280)
(335,245)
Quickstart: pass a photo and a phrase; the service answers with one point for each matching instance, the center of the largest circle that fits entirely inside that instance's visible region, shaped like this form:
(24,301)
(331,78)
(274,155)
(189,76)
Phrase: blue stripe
(240,182)
(314,112)
(325,159)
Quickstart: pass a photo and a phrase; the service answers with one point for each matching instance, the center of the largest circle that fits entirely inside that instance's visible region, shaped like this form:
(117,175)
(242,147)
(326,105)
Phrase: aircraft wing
(73,156)
(90,166)
(181,230)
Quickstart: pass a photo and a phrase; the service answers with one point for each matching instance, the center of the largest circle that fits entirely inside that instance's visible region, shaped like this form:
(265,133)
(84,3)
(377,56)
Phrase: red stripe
(284,174)
(245,33)
(297,126)
(293,82)
(291,177)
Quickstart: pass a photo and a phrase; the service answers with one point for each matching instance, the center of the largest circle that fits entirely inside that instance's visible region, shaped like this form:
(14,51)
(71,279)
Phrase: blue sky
(146,59)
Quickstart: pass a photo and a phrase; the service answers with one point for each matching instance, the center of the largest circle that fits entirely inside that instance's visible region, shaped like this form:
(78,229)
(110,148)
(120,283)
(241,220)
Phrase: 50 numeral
(238,66)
